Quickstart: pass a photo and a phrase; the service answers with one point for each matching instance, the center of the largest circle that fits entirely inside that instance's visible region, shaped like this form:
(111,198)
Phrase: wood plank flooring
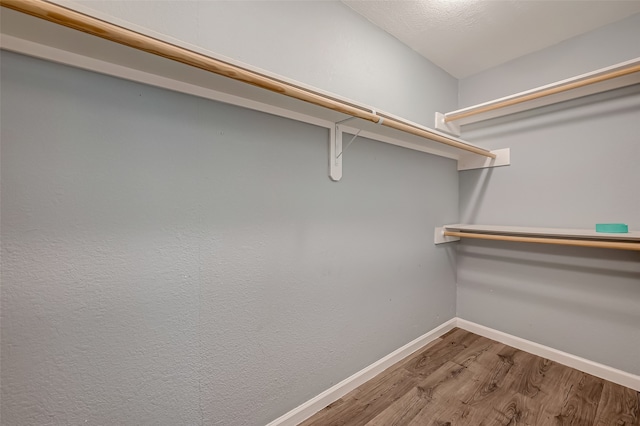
(465,379)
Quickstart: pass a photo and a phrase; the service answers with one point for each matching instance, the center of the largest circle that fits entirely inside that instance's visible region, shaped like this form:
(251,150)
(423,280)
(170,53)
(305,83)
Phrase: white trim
(309,408)
(594,368)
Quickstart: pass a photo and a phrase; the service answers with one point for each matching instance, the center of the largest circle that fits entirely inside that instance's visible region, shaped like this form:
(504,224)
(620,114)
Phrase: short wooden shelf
(555,236)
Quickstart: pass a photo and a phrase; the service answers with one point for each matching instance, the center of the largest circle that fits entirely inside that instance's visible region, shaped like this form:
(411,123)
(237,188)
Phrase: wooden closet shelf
(555,236)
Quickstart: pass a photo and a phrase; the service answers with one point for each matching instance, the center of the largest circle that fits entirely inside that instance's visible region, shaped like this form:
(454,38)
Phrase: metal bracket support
(336,150)
(335,161)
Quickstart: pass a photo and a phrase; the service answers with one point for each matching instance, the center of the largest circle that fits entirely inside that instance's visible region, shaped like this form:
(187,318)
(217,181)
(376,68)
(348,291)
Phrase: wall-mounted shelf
(557,236)
(602,80)
(49,31)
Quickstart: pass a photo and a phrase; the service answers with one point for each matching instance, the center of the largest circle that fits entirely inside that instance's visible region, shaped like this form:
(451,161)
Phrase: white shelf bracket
(440,238)
(452,128)
(336,149)
(335,161)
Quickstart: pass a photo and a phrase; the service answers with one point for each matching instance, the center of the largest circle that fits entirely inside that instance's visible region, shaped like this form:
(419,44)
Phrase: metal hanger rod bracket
(336,150)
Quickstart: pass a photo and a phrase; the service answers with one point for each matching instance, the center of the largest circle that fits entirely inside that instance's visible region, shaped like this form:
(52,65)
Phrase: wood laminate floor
(465,379)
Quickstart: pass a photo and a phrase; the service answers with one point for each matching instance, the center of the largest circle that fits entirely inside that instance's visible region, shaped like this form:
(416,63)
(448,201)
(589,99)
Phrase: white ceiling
(465,37)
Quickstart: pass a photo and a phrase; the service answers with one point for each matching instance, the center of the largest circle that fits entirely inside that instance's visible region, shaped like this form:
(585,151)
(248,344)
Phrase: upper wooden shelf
(555,236)
(143,56)
(605,79)
(545,232)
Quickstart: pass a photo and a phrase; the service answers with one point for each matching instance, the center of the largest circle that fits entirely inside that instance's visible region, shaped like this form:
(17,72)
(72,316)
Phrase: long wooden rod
(556,241)
(96,27)
(547,92)
(408,128)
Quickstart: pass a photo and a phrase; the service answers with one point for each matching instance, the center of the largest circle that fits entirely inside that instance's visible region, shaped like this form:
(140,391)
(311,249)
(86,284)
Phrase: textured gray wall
(573,165)
(168,260)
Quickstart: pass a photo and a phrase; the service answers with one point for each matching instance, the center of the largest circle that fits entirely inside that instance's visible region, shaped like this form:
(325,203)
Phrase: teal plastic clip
(612,228)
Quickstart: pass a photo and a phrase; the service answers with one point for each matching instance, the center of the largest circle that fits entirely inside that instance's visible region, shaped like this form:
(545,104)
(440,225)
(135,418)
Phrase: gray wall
(573,165)
(168,260)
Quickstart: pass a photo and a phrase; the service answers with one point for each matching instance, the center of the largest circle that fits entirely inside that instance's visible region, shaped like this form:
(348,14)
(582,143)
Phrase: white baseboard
(596,369)
(337,391)
(309,408)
